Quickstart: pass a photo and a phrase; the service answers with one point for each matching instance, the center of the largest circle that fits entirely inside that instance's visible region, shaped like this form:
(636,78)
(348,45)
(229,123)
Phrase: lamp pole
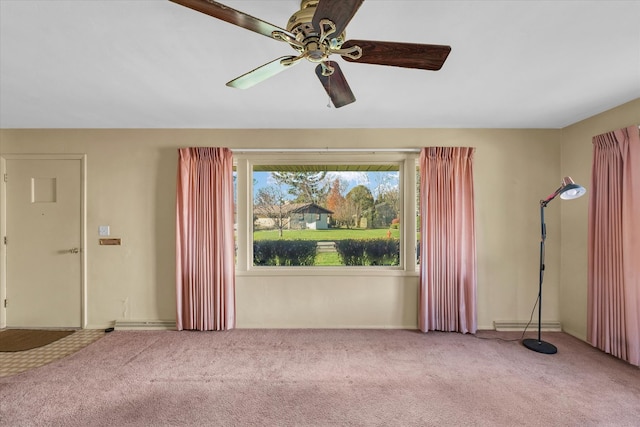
(537,344)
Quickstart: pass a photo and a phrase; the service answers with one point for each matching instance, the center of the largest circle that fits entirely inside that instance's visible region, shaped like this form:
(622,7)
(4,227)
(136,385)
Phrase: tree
(270,202)
(335,199)
(361,199)
(386,207)
(344,214)
(304,187)
(337,203)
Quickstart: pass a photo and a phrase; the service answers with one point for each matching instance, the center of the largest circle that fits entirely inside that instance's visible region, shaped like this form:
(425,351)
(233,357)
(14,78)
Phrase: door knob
(74,250)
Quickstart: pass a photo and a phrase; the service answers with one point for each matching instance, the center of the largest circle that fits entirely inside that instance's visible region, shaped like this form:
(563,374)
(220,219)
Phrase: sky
(375,181)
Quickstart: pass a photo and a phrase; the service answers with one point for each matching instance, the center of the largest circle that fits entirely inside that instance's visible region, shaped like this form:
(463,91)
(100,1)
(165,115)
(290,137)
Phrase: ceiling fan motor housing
(300,24)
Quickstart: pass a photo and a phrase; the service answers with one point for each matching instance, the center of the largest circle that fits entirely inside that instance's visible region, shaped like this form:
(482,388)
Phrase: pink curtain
(205,267)
(613,318)
(448,276)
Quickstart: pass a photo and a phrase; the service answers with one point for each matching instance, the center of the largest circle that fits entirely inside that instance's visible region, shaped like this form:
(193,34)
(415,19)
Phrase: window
(338,214)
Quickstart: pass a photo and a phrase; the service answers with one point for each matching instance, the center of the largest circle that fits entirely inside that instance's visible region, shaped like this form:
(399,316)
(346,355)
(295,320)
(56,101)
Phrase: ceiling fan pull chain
(329,91)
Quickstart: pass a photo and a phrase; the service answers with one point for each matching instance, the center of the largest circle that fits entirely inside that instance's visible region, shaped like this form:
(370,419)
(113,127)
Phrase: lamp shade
(570,190)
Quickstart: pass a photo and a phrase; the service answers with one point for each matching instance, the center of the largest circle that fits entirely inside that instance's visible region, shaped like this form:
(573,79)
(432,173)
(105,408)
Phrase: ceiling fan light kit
(316,32)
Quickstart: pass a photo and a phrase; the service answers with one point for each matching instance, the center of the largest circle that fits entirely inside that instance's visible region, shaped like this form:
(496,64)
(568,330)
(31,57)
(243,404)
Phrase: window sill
(326,271)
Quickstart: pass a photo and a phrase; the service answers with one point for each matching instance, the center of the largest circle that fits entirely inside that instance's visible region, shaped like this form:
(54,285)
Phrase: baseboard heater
(145,325)
(504,326)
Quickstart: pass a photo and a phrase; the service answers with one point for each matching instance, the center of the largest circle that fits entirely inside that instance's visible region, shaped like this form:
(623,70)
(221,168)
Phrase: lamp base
(539,346)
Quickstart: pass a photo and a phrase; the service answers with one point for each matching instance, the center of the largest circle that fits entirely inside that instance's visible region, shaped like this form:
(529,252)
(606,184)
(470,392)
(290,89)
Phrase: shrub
(358,252)
(383,252)
(351,251)
(284,252)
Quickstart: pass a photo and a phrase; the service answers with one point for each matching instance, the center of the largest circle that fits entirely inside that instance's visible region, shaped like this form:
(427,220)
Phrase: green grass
(330,235)
(328,258)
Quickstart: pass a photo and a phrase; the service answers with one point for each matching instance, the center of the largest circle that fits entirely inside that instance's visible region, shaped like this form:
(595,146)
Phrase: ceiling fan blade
(339,12)
(232,16)
(407,55)
(263,72)
(336,85)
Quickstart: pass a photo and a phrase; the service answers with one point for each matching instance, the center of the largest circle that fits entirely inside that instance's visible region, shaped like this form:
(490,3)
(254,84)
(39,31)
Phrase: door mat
(26,339)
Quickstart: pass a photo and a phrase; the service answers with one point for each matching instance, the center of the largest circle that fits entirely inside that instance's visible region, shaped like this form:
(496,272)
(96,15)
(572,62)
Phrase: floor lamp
(568,190)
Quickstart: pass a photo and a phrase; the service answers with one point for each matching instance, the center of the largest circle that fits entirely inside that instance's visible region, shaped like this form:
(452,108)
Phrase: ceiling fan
(316,32)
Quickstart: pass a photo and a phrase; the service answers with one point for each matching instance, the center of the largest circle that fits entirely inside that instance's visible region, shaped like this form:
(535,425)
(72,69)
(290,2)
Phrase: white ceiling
(156,64)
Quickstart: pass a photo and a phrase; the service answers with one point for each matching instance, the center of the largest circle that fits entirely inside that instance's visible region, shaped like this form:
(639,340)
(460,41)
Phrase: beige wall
(577,159)
(131,187)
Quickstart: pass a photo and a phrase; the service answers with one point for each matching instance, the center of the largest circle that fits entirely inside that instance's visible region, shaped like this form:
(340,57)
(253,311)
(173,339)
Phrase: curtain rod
(325,150)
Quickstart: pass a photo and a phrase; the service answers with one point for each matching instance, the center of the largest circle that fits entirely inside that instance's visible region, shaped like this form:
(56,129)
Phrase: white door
(44,229)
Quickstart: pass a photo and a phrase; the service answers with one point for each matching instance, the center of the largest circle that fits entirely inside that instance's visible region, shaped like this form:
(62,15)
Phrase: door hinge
(6,177)
(5,240)
(5,303)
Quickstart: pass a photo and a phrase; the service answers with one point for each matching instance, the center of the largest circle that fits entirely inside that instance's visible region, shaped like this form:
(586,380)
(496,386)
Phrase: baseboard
(548,326)
(145,325)
(340,326)
(45,328)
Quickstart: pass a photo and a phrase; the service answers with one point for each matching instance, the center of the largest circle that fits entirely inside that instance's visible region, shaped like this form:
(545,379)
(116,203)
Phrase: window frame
(245,163)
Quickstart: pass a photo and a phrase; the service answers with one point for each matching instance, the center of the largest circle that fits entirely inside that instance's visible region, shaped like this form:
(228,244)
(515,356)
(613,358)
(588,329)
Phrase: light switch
(103,230)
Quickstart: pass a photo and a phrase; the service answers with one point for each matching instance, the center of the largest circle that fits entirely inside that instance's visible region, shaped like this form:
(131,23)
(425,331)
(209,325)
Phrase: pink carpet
(324,378)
